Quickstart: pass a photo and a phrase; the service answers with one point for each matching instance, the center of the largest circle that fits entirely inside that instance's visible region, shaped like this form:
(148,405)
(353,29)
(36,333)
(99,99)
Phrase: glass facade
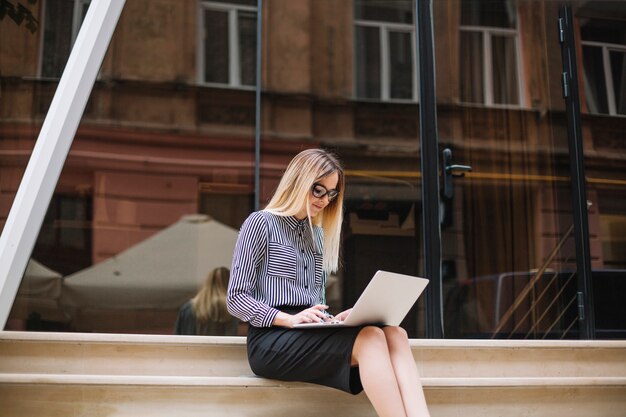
(161,173)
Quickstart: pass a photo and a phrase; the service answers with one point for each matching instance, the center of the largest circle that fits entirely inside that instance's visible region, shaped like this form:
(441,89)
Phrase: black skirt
(320,356)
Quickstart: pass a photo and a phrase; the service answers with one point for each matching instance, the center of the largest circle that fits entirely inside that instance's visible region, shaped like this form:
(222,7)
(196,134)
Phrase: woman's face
(317,204)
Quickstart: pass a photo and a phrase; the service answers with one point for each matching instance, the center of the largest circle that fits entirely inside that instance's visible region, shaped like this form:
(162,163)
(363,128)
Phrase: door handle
(450,171)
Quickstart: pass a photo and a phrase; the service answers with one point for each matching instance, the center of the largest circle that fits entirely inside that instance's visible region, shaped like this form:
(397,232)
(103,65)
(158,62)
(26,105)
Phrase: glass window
(384,50)
(489,63)
(489,13)
(604,61)
(64,242)
(229,43)
(58,36)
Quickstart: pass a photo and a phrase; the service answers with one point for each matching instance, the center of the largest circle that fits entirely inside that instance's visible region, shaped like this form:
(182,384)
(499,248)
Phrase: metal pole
(257,124)
(430,167)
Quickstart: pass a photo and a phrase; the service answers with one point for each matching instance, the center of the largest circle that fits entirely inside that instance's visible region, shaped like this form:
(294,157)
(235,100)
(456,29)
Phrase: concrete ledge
(116,338)
(254,381)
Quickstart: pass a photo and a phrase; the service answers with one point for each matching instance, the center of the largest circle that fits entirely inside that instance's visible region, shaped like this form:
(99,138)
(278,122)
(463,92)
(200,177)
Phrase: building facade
(167,143)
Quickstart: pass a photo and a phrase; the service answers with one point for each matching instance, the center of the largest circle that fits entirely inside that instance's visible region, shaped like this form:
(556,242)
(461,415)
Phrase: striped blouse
(275,264)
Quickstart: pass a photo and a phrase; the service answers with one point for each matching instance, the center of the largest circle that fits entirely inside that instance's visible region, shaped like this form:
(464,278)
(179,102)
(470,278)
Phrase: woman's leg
(378,376)
(406,372)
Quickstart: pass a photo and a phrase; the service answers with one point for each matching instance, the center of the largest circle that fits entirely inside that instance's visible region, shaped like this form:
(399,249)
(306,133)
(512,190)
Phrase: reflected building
(169,131)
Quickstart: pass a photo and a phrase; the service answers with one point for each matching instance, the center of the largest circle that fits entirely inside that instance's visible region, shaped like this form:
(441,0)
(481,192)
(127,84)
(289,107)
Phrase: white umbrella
(159,273)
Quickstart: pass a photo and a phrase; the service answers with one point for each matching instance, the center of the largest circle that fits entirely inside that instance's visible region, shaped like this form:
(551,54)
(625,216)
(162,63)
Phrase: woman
(206,313)
(281,260)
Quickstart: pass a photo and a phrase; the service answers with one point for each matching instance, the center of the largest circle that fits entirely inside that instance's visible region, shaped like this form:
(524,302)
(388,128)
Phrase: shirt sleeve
(250,250)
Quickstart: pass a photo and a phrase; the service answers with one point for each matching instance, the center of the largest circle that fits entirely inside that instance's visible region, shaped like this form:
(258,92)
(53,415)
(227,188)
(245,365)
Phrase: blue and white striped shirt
(275,264)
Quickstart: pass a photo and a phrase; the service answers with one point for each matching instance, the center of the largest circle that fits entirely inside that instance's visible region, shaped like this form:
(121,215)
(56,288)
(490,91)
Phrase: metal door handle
(449,171)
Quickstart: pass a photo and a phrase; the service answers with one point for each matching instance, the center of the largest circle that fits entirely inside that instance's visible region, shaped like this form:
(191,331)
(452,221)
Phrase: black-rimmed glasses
(319,191)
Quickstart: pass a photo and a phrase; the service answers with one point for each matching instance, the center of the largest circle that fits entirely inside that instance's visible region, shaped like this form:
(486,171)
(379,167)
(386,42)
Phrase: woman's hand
(343,315)
(309,315)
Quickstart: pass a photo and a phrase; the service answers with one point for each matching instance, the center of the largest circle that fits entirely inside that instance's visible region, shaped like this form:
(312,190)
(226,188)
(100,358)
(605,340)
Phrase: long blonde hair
(294,192)
(210,302)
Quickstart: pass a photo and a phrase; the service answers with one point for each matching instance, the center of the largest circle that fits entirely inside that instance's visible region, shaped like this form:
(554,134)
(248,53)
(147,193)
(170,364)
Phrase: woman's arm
(250,250)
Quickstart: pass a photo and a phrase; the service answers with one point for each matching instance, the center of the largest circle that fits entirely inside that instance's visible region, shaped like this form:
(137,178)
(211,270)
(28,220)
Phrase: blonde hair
(210,302)
(294,192)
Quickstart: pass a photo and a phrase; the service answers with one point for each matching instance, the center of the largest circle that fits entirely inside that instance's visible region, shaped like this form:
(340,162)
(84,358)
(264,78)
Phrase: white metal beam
(52,146)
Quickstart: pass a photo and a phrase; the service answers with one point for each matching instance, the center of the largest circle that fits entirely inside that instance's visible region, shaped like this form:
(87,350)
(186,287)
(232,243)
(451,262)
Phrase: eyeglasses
(319,191)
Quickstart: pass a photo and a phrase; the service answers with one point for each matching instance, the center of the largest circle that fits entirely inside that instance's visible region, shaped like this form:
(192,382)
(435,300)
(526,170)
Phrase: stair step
(254,381)
(161,355)
(77,375)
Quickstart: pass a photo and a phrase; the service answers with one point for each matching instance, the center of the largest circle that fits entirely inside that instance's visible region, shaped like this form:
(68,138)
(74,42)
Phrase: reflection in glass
(215,49)
(471,57)
(247,51)
(504,61)
(229,37)
(604,52)
(368,62)
(618,71)
(595,83)
(401,71)
(384,50)
(398,11)
(490,13)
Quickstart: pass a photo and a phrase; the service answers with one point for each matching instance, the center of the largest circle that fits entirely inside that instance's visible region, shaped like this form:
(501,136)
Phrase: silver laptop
(386,300)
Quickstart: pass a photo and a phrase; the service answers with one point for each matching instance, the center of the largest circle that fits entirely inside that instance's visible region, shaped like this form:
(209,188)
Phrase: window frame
(77,21)
(234,64)
(607,48)
(487,33)
(385,82)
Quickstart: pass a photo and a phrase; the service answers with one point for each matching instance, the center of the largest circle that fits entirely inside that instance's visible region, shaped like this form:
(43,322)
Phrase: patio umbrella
(159,273)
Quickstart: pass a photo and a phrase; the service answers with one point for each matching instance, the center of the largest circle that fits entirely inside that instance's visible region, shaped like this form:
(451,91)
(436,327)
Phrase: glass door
(508,253)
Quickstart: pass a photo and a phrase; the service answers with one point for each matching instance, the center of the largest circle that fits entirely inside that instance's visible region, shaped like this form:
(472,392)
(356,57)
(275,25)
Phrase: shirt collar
(295,223)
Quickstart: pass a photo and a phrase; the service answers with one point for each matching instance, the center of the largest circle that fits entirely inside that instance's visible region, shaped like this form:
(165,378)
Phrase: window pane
(241,2)
(57,41)
(247,47)
(492,13)
(367,62)
(216,52)
(471,61)
(504,60)
(397,11)
(595,85)
(608,31)
(618,70)
(401,65)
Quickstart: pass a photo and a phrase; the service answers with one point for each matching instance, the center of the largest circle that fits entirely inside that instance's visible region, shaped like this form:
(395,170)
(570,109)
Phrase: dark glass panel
(247,47)
(504,70)
(471,67)
(490,13)
(401,71)
(216,53)
(595,82)
(368,62)
(618,70)
(396,11)
(57,37)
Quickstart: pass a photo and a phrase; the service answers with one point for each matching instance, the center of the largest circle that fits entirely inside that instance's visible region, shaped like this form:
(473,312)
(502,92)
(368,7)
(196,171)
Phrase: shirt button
(305,266)
(302,250)
(306,286)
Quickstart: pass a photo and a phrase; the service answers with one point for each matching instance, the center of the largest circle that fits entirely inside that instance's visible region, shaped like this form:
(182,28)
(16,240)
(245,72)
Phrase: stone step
(79,375)
(129,396)
(114,354)
(254,381)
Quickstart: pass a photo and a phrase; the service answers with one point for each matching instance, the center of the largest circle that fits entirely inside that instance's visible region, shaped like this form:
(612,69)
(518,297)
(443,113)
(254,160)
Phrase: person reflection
(206,313)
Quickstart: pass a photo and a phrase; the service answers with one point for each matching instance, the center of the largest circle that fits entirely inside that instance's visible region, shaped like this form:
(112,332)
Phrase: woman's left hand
(343,315)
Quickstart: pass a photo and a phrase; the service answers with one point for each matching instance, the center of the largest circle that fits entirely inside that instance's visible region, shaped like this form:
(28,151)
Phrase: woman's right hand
(309,315)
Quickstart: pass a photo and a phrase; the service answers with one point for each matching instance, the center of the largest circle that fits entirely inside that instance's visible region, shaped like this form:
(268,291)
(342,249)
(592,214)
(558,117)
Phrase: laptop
(386,300)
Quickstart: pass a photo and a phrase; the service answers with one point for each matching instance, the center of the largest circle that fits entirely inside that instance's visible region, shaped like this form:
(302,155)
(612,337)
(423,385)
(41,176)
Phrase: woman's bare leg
(377,373)
(406,372)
